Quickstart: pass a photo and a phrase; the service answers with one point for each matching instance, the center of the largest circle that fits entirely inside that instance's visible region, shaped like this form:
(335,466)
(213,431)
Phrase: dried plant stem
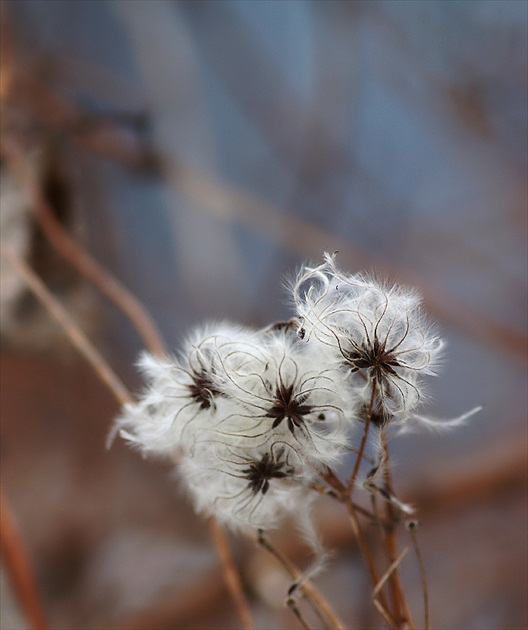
(400,611)
(412,526)
(61,316)
(295,609)
(361,451)
(315,597)
(400,608)
(79,258)
(18,566)
(231,574)
(344,494)
(379,598)
(390,571)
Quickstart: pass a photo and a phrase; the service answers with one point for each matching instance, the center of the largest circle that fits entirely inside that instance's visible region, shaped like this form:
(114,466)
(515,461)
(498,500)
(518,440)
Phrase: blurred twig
(399,602)
(412,526)
(80,259)
(18,566)
(61,316)
(307,239)
(316,598)
(231,575)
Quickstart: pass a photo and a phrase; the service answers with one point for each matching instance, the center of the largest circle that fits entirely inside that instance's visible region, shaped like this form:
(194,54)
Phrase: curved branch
(18,566)
(62,317)
(79,258)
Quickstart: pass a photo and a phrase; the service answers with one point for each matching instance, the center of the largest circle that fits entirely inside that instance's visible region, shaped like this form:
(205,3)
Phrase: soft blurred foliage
(201,150)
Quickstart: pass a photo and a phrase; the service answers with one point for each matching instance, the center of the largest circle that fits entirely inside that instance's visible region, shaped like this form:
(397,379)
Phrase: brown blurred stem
(18,567)
(231,575)
(62,317)
(343,493)
(412,526)
(78,257)
(361,451)
(318,601)
(400,609)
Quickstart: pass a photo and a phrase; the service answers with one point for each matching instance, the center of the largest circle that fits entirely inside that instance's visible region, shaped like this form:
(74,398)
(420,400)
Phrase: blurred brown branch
(317,599)
(18,566)
(61,316)
(80,259)
(307,239)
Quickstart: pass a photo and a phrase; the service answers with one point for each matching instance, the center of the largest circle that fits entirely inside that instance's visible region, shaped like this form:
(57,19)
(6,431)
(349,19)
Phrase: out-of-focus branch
(79,258)
(61,316)
(318,601)
(231,575)
(18,566)
(306,239)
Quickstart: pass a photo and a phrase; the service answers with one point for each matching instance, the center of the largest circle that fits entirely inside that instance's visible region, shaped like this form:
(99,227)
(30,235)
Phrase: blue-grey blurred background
(394,132)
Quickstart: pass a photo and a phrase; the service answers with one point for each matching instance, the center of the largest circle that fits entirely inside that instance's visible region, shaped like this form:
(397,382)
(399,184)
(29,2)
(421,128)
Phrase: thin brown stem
(231,574)
(133,310)
(292,605)
(400,609)
(62,317)
(316,598)
(344,494)
(18,567)
(359,458)
(78,257)
(390,571)
(412,526)
(379,599)
(337,490)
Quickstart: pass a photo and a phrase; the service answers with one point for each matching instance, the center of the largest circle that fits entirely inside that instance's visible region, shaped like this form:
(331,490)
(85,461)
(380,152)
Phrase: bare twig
(400,607)
(304,238)
(359,457)
(296,611)
(78,257)
(379,600)
(412,526)
(231,574)
(344,494)
(390,571)
(61,316)
(316,598)
(18,566)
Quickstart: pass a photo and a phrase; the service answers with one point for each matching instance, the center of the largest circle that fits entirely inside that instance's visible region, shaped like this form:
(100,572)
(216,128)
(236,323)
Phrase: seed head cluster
(254,416)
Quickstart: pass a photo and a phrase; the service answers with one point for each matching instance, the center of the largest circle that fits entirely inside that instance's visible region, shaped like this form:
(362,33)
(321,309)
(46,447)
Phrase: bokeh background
(201,151)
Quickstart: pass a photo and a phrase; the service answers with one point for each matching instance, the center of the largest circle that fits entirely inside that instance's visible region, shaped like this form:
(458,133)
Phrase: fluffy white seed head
(244,485)
(283,391)
(378,332)
(255,417)
(182,396)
